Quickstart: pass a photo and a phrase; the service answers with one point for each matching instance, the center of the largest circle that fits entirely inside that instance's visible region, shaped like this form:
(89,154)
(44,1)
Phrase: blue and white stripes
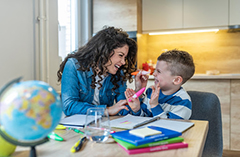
(175,106)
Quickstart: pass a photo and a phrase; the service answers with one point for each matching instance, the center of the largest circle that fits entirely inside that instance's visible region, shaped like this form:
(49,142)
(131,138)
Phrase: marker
(77,146)
(136,95)
(60,127)
(55,136)
(76,130)
(143,72)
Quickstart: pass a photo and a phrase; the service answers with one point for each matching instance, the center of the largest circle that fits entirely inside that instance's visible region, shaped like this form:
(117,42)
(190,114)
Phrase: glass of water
(97,126)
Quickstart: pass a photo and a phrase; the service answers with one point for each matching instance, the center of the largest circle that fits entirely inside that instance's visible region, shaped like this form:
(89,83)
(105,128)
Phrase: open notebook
(77,120)
(131,122)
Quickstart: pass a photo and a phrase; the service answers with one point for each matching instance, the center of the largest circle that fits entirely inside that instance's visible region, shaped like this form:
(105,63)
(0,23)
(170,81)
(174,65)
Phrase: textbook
(127,145)
(156,148)
(130,122)
(136,140)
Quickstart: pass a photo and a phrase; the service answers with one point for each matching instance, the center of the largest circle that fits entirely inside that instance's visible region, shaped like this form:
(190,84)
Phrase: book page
(128,121)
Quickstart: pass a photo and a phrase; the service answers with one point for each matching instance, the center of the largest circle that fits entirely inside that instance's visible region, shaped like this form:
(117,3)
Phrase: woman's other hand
(113,110)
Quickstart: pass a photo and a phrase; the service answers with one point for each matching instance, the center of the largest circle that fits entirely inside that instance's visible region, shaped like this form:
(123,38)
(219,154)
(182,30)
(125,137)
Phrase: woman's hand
(134,103)
(140,81)
(113,110)
(155,95)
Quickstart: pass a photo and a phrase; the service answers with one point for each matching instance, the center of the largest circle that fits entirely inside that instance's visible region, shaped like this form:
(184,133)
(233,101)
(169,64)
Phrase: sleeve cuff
(138,113)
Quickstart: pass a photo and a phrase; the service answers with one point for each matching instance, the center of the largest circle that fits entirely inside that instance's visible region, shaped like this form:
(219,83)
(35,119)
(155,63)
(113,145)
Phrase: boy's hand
(135,103)
(140,81)
(154,97)
(113,110)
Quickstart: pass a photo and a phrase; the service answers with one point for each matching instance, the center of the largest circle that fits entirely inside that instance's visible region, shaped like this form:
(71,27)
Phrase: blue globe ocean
(30,110)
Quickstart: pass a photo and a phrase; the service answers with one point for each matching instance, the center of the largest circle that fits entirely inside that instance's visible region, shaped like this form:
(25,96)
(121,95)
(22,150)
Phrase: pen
(77,146)
(55,136)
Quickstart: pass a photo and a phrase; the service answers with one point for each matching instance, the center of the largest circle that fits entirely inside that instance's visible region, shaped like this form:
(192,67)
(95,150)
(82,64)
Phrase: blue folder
(136,140)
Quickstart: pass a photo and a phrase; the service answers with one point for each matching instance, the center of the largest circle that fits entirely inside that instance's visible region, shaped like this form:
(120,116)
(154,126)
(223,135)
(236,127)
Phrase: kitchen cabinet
(205,13)
(162,14)
(234,12)
(120,14)
(235,116)
(182,14)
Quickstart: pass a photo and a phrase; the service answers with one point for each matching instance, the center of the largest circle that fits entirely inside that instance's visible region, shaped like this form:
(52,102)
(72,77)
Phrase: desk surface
(195,137)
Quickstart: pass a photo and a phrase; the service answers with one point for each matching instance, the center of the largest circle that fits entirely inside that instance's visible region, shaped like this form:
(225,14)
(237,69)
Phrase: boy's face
(163,76)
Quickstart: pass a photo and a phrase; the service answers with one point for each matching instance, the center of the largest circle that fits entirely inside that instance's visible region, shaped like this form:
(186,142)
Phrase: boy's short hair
(180,63)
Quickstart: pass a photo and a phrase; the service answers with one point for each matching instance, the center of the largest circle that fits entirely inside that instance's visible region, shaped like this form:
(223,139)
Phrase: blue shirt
(77,94)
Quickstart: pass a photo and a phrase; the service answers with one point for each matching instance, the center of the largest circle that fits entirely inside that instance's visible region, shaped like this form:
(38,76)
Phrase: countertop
(205,76)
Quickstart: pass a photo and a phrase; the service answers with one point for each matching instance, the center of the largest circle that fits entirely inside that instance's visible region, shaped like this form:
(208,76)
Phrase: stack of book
(149,139)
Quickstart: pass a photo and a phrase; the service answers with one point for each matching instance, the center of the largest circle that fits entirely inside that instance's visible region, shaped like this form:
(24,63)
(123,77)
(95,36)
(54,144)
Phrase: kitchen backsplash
(211,51)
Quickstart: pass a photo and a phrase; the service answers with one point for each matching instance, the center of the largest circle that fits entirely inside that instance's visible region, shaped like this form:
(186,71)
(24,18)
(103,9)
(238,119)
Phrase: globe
(29,111)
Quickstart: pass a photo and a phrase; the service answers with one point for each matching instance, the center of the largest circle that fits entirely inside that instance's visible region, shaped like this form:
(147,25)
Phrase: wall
(19,37)
(211,51)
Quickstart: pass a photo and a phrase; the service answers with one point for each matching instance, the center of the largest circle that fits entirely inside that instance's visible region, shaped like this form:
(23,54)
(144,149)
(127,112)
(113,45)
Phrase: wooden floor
(230,153)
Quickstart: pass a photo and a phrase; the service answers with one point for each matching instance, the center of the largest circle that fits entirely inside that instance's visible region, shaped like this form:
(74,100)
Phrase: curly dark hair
(98,51)
(179,63)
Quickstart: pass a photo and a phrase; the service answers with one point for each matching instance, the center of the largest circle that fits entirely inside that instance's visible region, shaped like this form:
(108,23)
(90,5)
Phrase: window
(67,17)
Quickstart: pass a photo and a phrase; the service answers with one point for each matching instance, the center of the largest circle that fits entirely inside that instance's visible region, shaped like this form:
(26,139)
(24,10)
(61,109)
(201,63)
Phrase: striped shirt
(175,106)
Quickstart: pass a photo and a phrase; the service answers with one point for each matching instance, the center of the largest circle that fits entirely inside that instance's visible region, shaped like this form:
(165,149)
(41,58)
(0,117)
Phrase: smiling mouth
(117,66)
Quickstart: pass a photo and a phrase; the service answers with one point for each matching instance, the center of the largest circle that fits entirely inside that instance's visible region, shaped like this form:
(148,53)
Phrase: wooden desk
(195,137)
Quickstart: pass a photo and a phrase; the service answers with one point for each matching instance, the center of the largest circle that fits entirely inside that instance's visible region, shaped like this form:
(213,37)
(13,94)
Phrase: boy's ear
(178,80)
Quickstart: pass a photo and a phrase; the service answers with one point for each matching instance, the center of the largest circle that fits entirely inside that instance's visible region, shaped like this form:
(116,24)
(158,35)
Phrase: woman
(96,74)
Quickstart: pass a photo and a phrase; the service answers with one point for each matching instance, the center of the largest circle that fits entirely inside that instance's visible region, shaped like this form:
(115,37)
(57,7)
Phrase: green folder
(157,143)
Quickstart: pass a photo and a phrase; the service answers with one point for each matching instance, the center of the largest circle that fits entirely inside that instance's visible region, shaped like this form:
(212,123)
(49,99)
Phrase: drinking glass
(97,126)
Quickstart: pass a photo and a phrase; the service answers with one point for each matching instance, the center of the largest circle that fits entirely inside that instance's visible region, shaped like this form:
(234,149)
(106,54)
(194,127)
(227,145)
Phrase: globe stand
(33,152)
(24,144)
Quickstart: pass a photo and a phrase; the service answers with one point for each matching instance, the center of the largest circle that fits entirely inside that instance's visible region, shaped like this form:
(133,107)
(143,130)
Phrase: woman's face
(118,59)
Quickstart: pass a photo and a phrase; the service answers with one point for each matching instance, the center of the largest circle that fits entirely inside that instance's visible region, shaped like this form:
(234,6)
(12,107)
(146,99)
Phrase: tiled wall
(211,51)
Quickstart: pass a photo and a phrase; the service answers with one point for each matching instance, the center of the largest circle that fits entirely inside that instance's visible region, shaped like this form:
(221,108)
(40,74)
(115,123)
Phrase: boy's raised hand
(154,97)
(134,103)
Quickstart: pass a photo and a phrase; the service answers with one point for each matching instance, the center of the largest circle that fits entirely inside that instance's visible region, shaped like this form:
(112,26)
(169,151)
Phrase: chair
(206,106)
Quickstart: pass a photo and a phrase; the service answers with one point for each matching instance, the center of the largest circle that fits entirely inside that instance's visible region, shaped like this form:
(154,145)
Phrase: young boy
(167,98)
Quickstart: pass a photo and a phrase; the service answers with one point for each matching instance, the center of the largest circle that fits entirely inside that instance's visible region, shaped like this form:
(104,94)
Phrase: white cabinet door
(205,13)
(161,14)
(234,12)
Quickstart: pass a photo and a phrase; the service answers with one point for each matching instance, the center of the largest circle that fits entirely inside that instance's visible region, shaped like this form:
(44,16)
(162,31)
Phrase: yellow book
(143,132)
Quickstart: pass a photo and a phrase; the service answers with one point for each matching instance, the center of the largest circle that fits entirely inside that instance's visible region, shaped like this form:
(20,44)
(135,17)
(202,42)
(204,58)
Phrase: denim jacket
(77,94)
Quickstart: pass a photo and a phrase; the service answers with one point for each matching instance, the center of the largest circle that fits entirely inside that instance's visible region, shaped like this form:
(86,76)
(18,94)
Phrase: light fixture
(184,31)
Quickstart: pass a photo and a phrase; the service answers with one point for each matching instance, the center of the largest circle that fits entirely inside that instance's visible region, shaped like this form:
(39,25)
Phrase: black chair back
(206,106)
